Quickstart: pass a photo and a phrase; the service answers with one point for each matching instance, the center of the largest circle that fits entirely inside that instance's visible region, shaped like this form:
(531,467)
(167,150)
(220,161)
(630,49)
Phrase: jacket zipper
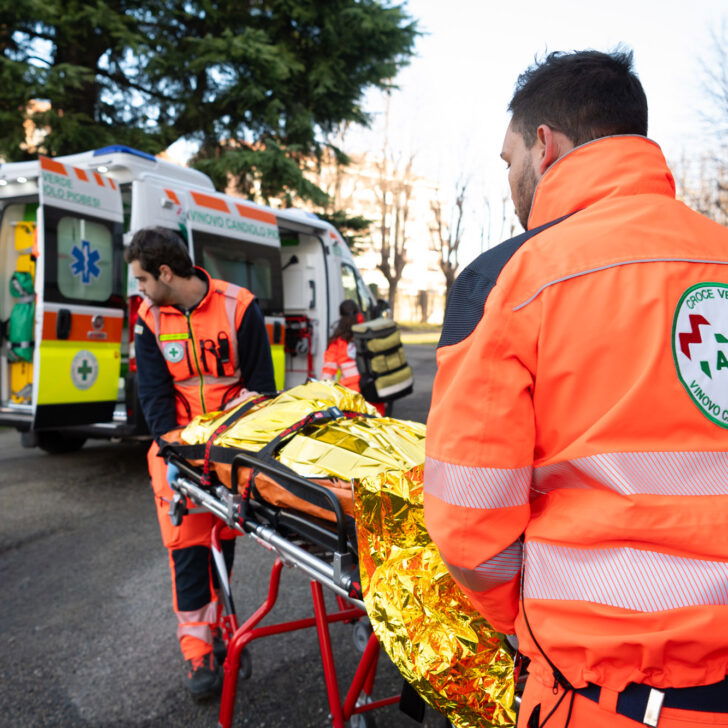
(197,362)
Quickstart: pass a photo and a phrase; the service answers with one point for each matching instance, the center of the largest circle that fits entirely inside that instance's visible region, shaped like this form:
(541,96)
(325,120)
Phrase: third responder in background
(577,473)
(198,342)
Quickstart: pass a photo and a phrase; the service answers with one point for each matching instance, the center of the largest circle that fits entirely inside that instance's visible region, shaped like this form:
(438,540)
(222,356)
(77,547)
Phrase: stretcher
(325,550)
(337,492)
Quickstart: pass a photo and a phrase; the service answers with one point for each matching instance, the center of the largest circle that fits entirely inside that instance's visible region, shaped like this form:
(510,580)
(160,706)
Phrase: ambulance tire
(57,443)
(362,720)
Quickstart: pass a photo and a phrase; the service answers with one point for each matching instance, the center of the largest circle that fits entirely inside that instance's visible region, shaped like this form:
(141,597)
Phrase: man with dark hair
(198,343)
(577,455)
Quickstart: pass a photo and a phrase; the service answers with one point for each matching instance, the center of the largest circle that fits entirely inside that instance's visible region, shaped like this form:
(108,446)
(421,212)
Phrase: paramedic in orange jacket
(198,342)
(577,473)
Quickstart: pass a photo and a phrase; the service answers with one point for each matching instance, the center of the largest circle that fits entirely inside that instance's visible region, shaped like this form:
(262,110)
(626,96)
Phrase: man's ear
(165,273)
(551,145)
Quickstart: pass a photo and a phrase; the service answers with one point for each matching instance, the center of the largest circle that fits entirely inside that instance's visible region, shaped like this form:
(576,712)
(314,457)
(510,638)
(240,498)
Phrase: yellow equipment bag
(380,358)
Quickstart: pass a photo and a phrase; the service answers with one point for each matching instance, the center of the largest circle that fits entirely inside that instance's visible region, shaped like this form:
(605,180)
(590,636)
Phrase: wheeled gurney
(325,552)
(310,474)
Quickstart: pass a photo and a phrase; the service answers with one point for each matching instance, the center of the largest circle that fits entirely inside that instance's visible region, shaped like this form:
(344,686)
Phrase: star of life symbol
(174,351)
(85,262)
(700,348)
(84,369)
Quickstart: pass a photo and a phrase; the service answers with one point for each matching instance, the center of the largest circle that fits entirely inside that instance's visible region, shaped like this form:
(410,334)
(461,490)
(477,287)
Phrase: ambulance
(68,305)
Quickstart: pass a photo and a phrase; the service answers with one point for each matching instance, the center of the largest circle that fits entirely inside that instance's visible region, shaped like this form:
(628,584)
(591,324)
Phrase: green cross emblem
(173,352)
(84,370)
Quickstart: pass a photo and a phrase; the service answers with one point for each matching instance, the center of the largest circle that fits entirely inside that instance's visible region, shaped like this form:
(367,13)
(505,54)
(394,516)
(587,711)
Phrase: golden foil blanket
(425,624)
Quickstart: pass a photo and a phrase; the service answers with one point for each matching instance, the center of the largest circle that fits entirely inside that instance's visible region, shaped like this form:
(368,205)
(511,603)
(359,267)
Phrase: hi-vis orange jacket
(578,436)
(200,358)
(341,354)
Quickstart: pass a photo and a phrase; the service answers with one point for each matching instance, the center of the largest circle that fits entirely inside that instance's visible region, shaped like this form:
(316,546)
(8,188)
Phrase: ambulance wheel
(362,720)
(56,443)
(361,633)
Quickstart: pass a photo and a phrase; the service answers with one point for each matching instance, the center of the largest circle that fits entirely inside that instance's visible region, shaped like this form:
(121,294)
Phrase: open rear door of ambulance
(80,306)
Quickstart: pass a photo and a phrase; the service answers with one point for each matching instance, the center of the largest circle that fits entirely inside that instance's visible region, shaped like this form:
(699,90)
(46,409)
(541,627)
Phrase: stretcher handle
(299,483)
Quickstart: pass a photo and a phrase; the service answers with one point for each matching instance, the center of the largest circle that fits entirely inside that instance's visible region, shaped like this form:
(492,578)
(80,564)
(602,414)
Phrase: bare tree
(506,222)
(703,181)
(447,236)
(715,72)
(394,198)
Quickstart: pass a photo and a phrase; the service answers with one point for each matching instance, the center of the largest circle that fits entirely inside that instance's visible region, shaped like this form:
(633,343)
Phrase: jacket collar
(615,166)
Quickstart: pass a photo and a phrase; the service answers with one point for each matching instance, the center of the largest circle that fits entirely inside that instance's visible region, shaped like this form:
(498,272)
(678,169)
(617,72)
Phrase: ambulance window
(356,289)
(348,279)
(253,266)
(365,297)
(85,262)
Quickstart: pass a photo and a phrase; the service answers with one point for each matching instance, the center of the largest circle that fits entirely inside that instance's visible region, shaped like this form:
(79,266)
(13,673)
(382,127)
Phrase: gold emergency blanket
(442,646)
(268,419)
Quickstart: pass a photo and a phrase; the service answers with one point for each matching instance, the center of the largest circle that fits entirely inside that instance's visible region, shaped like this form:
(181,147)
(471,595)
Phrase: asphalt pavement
(87,634)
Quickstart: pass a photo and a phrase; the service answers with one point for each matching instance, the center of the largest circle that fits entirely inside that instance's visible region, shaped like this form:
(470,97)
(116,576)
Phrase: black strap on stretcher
(205,452)
(205,479)
(264,461)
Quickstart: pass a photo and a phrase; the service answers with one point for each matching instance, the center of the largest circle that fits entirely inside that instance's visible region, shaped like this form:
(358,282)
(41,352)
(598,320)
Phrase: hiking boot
(203,678)
(219,648)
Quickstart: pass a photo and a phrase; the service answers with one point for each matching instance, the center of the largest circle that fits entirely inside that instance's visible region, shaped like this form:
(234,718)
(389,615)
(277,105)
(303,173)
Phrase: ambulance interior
(17,272)
(299,287)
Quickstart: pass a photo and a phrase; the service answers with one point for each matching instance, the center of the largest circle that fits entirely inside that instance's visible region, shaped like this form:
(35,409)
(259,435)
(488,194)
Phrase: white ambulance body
(63,226)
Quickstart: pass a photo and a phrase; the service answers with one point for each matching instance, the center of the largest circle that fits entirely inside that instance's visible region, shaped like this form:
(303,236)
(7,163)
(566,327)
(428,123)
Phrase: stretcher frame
(333,568)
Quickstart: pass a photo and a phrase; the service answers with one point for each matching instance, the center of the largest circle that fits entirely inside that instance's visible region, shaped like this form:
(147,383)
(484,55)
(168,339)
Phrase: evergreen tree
(261,85)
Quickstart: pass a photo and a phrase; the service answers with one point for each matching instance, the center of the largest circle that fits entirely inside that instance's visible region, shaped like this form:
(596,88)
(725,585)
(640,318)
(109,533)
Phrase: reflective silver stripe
(655,473)
(157,316)
(498,570)
(208,379)
(614,265)
(231,304)
(197,623)
(472,487)
(643,581)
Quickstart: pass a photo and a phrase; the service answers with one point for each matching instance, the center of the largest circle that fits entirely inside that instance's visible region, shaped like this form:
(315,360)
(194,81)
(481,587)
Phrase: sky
(450,109)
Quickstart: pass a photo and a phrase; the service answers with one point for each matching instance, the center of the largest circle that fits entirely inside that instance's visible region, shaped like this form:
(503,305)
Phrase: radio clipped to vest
(380,358)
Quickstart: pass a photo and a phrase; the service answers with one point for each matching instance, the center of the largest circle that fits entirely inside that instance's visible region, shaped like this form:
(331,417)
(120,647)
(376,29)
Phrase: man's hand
(172,473)
(244,395)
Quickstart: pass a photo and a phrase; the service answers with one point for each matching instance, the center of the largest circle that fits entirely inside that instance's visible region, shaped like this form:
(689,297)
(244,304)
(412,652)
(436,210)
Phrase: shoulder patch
(700,348)
(138,329)
(467,298)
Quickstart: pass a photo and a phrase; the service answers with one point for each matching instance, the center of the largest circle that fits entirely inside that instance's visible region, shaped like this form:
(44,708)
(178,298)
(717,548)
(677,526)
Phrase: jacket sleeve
(256,362)
(480,443)
(154,382)
(331,364)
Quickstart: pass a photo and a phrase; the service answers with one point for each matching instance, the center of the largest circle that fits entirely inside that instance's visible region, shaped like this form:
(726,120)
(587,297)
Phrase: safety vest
(577,472)
(200,347)
(340,355)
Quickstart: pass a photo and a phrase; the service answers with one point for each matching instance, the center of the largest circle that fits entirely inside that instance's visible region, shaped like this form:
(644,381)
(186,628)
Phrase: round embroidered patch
(84,369)
(173,351)
(700,348)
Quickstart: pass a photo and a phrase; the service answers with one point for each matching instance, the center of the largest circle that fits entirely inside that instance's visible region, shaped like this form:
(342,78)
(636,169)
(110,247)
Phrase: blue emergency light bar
(125,150)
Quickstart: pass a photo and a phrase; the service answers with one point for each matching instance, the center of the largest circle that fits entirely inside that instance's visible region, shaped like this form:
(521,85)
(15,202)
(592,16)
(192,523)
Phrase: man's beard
(525,189)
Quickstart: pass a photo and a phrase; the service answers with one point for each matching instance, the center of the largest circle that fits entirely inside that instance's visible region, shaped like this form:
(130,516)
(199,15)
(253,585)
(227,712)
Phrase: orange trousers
(586,713)
(194,580)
